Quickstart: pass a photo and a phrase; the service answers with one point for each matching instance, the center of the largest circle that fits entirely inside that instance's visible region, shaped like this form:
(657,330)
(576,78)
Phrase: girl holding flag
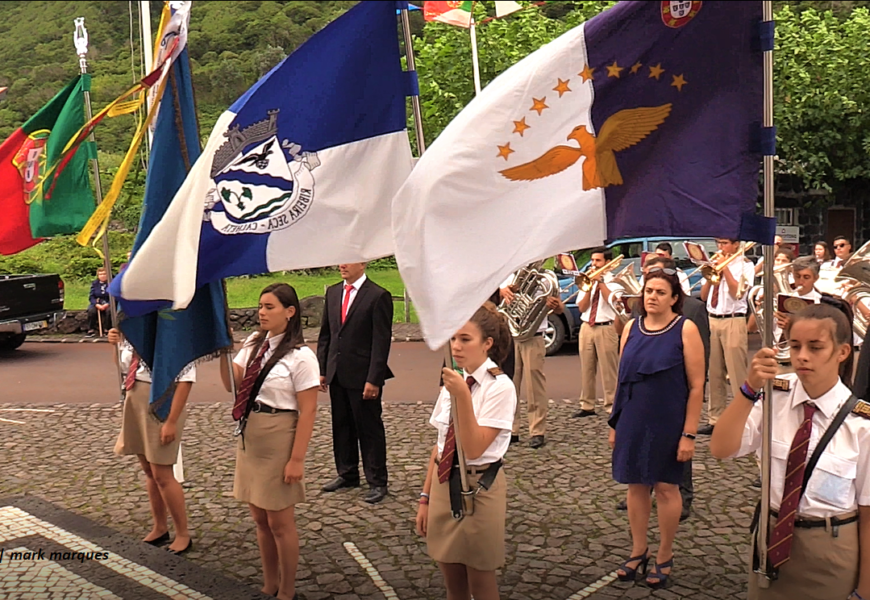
(277,378)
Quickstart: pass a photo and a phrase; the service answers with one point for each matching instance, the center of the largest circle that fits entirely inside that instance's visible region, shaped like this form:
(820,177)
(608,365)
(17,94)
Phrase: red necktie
(593,312)
(346,302)
(450,446)
(837,264)
(781,538)
(714,301)
(130,380)
(244,392)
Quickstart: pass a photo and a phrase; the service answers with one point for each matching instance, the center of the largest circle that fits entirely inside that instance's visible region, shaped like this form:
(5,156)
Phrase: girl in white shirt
(469,551)
(270,456)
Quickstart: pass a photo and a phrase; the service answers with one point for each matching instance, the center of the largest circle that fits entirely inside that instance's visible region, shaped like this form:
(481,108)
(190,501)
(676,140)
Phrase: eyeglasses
(663,270)
(840,245)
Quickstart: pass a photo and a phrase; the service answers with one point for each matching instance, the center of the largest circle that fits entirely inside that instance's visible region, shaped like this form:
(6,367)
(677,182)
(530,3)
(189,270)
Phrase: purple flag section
(695,172)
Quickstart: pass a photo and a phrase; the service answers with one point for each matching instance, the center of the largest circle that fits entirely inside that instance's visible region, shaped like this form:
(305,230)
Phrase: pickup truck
(28,303)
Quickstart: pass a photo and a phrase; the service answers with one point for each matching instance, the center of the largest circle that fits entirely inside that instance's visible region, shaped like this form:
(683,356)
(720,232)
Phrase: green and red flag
(453,13)
(44,184)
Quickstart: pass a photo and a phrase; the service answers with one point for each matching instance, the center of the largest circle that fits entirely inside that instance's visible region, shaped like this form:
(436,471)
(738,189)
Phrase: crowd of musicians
(659,352)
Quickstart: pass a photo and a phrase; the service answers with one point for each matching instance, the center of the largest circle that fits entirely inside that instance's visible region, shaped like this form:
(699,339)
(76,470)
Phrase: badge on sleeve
(781,385)
(862,409)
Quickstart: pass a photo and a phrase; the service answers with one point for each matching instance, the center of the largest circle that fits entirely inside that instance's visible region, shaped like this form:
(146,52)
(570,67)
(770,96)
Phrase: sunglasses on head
(664,270)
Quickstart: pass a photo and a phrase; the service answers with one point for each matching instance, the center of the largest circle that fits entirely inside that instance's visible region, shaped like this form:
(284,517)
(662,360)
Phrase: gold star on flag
(504,151)
(656,71)
(635,67)
(586,73)
(614,69)
(539,105)
(678,82)
(562,87)
(520,126)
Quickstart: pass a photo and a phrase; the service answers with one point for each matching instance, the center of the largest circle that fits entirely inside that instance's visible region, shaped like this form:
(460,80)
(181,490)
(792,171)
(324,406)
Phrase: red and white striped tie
(450,446)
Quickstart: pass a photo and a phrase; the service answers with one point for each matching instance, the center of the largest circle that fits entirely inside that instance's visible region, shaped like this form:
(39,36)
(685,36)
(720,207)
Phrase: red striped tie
(714,301)
(593,312)
(781,538)
(244,391)
(450,446)
(130,379)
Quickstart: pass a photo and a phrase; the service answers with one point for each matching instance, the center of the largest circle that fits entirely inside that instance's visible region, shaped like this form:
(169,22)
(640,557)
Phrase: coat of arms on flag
(676,13)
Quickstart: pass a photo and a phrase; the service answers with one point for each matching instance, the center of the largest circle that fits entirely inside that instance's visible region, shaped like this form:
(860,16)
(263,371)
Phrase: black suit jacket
(356,353)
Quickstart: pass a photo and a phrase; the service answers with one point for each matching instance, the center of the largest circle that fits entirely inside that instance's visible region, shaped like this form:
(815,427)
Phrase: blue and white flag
(298,173)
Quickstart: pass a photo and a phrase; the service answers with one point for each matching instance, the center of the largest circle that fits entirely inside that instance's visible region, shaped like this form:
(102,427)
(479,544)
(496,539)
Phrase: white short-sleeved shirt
(727,304)
(297,371)
(841,479)
(494,399)
(143,374)
(605,312)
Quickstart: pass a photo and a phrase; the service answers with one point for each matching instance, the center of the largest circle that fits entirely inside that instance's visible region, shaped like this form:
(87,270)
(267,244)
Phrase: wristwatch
(691,436)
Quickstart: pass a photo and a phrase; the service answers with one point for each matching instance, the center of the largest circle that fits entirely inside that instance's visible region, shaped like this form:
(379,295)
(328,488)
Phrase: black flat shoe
(515,439)
(338,483)
(583,413)
(185,549)
(158,541)
(537,441)
(376,494)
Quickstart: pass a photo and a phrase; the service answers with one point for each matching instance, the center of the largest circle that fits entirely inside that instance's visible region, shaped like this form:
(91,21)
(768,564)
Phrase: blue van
(565,327)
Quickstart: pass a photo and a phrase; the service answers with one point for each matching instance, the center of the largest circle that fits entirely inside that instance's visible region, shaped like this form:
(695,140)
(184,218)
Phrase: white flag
(505,7)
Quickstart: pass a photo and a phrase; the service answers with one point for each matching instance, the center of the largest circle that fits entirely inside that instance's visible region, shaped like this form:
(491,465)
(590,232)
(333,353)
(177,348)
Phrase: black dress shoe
(583,413)
(159,541)
(515,439)
(376,494)
(685,513)
(537,441)
(183,550)
(338,483)
(705,430)
(622,505)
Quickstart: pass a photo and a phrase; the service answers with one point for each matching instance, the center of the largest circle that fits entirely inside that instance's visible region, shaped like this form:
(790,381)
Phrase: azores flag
(299,172)
(636,123)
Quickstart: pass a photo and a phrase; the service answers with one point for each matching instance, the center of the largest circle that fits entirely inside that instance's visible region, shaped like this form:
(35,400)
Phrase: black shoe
(537,441)
(338,483)
(376,494)
(685,513)
(159,541)
(757,483)
(583,413)
(183,550)
(622,505)
(705,430)
(91,334)
(515,439)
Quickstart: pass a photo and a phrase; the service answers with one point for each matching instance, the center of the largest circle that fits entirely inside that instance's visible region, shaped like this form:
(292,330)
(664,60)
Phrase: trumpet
(713,272)
(585,281)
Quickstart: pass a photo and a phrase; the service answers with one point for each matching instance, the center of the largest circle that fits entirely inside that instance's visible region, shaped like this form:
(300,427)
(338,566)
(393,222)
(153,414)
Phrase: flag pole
(147,52)
(475,65)
(767,333)
(467,494)
(80,39)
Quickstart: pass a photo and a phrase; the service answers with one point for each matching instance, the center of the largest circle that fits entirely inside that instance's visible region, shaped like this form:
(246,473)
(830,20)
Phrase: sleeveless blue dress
(649,410)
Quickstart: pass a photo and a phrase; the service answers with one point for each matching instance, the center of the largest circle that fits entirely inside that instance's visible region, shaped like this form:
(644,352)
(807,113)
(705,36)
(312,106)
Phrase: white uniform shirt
(833,265)
(507,283)
(297,371)
(494,400)
(841,479)
(684,282)
(605,311)
(353,291)
(727,304)
(143,374)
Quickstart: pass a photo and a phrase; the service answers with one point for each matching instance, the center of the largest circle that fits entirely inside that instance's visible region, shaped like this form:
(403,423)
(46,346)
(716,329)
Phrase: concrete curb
(71,339)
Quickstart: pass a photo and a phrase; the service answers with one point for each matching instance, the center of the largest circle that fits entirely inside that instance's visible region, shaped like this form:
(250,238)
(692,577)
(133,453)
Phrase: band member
(821,252)
(726,306)
(353,349)
(598,343)
(155,444)
(469,551)
(529,368)
(842,252)
(667,251)
(820,532)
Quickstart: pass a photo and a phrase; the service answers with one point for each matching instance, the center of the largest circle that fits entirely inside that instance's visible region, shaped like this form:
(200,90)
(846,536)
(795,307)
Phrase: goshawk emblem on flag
(676,13)
(257,187)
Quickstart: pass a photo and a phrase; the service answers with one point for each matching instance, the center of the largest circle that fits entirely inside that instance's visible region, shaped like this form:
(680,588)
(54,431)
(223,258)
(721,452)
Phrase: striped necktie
(130,379)
(593,311)
(449,452)
(244,392)
(781,538)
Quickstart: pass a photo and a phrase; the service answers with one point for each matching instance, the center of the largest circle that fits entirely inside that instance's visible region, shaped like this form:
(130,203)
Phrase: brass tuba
(532,286)
(627,280)
(781,285)
(854,280)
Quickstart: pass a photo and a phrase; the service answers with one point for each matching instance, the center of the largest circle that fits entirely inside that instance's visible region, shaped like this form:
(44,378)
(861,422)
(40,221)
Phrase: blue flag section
(298,173)
(167,341)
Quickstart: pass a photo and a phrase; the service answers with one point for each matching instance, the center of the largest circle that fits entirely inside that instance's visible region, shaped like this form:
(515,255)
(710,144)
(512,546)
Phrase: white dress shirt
(297,371)
(494,399)
(355,286)
(833,265)
(605,311)
(143,374)
(841,479)
(727,304)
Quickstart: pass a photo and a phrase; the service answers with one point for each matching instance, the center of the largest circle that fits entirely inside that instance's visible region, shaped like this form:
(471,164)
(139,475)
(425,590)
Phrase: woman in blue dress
(655,418)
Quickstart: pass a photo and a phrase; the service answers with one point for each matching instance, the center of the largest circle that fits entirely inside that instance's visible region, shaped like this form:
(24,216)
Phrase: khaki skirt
(477,541)
(260,460)
(140,430)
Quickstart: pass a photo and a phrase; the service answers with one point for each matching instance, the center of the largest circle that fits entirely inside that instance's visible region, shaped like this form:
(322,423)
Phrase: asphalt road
(42,373)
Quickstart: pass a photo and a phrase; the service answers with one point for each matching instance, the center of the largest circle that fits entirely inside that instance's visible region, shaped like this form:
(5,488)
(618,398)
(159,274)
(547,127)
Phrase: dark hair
(662,261)
(844,238)
(806,263)
(824,245)
(666,247)
(840,314)
(293,338)
(601,250)
(787,253)
(676,288)
(493,324)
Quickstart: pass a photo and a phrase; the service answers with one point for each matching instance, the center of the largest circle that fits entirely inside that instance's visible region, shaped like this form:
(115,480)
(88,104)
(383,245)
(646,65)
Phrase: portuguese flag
(42,191)
(453,13)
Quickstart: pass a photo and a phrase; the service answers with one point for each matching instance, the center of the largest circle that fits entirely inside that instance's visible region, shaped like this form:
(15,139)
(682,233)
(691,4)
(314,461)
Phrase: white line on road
(382,585)
(594,587)
(11,421)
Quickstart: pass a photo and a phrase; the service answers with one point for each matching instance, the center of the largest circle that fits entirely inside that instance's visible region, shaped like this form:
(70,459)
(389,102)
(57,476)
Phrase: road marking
(594,587)
(11,421)
(382,585)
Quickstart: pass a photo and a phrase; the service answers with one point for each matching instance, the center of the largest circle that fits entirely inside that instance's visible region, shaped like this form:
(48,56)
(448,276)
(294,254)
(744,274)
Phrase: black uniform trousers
(357,427)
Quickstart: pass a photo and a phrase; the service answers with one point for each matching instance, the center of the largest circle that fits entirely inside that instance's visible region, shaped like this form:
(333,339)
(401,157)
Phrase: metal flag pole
(767,333)
(467,494)
(475,64)
(80,39)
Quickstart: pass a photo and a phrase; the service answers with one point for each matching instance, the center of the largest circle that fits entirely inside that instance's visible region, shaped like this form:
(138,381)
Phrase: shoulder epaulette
(495,371)
(782,385)
(862,409)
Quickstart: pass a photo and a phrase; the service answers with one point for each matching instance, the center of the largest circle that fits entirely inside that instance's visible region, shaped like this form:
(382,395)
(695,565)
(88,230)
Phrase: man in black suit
(353,349)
